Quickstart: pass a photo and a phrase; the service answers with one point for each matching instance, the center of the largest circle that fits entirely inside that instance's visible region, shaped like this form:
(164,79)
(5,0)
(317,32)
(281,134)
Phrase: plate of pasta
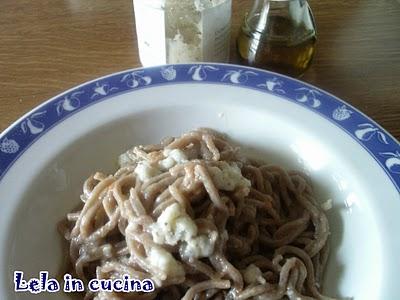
(198,181)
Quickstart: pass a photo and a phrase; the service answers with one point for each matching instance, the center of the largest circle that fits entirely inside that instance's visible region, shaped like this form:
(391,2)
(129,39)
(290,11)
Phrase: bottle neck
(262,10)
(258,15)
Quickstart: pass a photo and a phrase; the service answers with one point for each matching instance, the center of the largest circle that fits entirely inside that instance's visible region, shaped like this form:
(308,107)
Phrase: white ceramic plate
(46,155)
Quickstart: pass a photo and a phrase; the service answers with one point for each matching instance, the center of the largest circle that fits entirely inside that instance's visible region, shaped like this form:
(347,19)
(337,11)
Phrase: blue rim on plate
(378,142)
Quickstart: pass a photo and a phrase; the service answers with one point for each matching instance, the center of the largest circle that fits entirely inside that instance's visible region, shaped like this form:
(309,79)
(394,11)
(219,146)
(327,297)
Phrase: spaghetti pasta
(203,222)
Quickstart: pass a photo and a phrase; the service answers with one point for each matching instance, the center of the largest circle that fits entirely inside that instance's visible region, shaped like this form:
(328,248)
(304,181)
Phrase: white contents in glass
(183,31)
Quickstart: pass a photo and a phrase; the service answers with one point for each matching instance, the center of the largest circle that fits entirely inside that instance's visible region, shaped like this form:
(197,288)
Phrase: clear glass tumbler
(183,31)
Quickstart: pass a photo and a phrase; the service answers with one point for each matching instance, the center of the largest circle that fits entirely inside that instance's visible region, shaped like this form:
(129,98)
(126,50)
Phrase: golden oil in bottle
(284,47)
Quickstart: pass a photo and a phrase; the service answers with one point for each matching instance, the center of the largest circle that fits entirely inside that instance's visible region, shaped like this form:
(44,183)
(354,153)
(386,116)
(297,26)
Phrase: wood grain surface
(48,46)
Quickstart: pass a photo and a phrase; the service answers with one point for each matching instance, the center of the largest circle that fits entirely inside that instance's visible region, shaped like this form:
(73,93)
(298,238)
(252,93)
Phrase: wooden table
(48,46)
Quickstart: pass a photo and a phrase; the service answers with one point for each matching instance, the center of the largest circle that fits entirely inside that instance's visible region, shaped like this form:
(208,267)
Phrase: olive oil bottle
(278,35)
